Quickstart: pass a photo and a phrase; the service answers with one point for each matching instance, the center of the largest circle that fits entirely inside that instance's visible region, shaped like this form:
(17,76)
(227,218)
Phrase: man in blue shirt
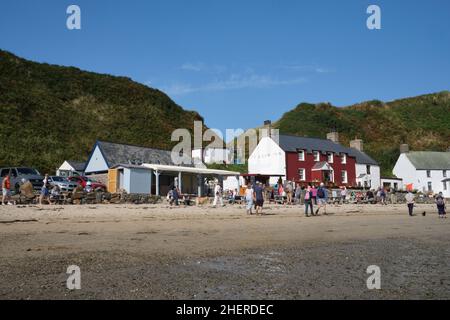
(322,198)
(259,197)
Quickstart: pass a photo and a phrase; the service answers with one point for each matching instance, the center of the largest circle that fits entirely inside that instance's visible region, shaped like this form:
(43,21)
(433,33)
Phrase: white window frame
(430,186)
(303,172)
(428,173)
(301,155)
(445,185)
(444,173)
(344,159)
(344,176)
(316,155)
(330,156)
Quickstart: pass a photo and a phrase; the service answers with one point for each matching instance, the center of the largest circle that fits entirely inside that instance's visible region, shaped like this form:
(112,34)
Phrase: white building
(70,168)
(425,171)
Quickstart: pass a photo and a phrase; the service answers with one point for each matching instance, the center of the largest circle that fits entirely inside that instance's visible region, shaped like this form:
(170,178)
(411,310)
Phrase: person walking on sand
(218,195)
(343,194)
(410,202)
(259,198)
(44,191)
(440,203)
(322,198)
(308,201)
(6,187)
(314,194)
(249,198)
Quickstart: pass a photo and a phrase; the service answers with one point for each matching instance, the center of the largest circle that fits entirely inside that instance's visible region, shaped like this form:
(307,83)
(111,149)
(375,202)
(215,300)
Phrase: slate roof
(77,165)
(116,153)
(293,143)
(429,160)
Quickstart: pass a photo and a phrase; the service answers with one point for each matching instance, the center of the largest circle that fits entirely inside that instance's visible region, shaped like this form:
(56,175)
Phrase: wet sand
(158,252)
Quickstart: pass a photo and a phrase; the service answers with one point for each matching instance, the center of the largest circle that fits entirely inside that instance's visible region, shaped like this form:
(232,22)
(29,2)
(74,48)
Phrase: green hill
(423,122)
(51,113)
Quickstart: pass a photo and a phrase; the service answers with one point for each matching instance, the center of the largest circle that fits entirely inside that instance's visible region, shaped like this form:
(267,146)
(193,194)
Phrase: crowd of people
(315,198)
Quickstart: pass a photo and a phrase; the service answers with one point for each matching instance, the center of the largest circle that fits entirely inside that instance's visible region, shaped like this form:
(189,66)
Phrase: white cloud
(310,68)
(192,67)
(233,82)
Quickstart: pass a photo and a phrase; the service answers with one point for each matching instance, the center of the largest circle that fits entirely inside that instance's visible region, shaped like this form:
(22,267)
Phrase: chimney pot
(333,136)
(357,144)
(404,148)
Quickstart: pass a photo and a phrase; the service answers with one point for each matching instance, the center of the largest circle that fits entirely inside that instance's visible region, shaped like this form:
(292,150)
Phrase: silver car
(63,184)
(18,174)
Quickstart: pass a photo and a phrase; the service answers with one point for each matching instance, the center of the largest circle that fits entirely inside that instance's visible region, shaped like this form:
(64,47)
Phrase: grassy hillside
(51,113)
(423,122)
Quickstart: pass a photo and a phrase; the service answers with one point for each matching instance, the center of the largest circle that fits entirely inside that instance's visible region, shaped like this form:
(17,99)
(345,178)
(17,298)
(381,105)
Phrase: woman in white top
(249,198)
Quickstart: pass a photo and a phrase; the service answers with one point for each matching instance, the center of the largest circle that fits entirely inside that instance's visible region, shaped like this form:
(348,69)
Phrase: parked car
(83,181)
(18,173)
(63,183)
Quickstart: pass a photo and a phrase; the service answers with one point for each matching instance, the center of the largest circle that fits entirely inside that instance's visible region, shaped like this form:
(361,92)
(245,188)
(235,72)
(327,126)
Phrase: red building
(308,160)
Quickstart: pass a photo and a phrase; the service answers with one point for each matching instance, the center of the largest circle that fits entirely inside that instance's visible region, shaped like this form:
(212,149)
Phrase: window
(330,157)
(428,174)
(316,156)
(344,159)
(395,186)
(368,169)
(5,172)
(28,171)
(301,174)
(344,176)
(445,185)
(430,187)
(301,155)
(444,173)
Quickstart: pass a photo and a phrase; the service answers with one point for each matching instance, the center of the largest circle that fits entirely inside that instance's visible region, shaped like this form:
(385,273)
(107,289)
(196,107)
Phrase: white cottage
(425,171)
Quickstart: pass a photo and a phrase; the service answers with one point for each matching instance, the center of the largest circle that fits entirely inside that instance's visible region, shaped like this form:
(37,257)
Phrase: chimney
(357,144)
(267,132)
(404,148)
(333,136)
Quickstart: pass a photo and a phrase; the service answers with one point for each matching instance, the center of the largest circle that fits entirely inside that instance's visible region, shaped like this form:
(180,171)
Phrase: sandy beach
(159,252)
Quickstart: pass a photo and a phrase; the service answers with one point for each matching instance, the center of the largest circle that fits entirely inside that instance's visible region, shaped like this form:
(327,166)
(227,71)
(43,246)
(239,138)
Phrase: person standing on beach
(249,198)
(322,198)
(343,194)
(410,202)
(6,187)
(259,198)
(314,194)
(440,203)
(308,201)
(218,195)
(288,190)
(45,193)
(298,192)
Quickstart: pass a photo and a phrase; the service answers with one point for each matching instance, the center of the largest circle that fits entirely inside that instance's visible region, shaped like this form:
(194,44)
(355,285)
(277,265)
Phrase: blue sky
(239,63)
